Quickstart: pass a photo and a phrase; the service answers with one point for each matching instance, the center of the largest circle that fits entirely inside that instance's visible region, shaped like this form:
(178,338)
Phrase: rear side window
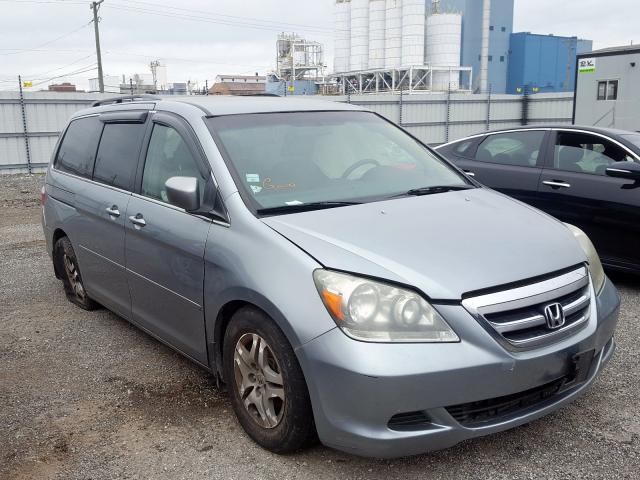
(77,151)
(513,148)
(463,148)
(118,153)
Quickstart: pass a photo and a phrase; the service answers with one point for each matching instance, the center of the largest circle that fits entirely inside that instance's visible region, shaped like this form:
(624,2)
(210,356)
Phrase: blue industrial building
(544,63)
(500,32)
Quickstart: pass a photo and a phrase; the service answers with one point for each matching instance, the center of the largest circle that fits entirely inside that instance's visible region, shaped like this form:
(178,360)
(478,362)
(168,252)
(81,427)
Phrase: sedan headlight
(595,266)
(377,312)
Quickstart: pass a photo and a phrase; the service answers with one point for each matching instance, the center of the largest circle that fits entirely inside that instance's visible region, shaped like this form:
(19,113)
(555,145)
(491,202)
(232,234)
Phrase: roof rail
(124,98)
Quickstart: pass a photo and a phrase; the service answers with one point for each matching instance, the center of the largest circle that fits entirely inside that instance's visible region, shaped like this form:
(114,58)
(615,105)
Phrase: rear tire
(66,264)
(265,382)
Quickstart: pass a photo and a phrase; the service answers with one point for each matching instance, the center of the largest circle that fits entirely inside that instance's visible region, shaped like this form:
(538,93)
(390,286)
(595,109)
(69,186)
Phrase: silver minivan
(343,280)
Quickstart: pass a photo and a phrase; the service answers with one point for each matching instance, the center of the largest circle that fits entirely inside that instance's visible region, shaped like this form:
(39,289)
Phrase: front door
(165,245)
(509,162)
(575,189)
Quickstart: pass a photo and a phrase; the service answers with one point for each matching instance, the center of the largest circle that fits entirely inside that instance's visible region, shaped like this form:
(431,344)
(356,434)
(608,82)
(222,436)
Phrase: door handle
(137,220)
(469,172)
(113,211)
(557,184)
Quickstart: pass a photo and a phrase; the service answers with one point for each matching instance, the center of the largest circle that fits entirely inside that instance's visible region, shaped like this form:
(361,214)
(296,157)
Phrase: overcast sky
(198,39)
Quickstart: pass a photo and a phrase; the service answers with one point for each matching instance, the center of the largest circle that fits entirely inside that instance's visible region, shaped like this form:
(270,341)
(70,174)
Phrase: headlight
(376,312)
(595,266)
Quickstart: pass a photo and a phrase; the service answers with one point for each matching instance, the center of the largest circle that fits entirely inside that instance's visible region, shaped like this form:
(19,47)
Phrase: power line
(59,2)
(85,69)
(200,18)
(22,50)
(242,18)
(40,76)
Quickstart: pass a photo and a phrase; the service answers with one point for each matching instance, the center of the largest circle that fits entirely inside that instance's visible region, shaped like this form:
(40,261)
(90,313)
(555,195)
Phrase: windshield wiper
(418,192)
(303,207)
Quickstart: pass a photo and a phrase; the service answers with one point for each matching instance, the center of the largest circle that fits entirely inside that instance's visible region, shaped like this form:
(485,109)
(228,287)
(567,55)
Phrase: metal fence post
(525,107)
(446,130)
(489,109)
(401,107)
(24,125)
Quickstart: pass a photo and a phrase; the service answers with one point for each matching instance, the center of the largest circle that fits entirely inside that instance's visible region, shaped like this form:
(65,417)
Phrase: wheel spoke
(274,392)
(243,356)
(255,348)
(257,402)
(270,414)
(271,376)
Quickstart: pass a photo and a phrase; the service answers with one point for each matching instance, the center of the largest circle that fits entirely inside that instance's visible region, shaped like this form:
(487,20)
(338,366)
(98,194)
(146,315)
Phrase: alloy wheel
(259,380)
(74,276)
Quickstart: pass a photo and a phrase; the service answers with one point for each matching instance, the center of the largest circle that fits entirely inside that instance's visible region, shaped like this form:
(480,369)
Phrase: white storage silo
(359,59)
(342,36)
(444,36)
(377,13)
(393,34)
(413,22)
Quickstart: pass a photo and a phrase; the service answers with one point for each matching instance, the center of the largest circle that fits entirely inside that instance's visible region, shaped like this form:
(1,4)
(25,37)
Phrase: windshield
(292,159)
(633,138)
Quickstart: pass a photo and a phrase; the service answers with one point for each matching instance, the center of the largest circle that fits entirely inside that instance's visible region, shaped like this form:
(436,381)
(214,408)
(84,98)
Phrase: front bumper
(356,387)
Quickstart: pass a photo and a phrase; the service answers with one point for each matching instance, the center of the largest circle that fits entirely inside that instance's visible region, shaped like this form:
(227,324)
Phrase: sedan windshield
(326,159)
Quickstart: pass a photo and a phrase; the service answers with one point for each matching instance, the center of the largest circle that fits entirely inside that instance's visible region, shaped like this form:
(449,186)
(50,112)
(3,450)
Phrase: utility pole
(95,6)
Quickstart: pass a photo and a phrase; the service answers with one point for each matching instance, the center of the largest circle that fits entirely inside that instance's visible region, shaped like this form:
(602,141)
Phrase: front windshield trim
(253,206)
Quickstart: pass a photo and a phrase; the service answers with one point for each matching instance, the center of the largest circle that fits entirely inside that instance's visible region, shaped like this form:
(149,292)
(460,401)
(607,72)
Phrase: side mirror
(183,192)
(628,170)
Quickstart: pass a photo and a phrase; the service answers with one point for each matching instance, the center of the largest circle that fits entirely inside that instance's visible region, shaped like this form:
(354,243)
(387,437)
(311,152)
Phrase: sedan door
(165,244)
(510,162)
(575,189)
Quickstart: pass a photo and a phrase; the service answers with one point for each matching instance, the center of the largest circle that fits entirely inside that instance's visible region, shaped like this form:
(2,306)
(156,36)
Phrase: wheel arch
(223,311)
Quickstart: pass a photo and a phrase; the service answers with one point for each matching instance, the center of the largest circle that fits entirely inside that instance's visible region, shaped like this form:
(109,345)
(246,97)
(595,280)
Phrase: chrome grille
(517,316)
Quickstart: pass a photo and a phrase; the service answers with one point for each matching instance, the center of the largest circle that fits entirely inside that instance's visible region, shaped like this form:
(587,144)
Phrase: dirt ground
(87,396)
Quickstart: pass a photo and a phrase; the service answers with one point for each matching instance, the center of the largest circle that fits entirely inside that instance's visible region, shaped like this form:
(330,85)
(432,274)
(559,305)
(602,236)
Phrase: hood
(444,245)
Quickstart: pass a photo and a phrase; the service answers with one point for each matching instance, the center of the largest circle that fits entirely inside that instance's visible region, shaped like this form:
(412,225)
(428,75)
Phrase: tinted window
(584,153)
(633,138)
(514,148)
(293,158)
(168,156)
(118,154)
(78,148)
(463,148)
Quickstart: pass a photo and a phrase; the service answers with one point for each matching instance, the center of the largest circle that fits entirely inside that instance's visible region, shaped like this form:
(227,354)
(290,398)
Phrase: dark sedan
(586,176)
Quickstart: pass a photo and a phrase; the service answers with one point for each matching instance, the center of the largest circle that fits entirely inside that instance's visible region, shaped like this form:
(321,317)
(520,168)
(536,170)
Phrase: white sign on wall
(587,65)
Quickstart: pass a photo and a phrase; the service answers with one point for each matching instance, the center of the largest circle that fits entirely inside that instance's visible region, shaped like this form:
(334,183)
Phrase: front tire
(66,264)
(267,388)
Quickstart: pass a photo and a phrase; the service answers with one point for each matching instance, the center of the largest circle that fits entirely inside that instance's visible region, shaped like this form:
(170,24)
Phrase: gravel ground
(85,395)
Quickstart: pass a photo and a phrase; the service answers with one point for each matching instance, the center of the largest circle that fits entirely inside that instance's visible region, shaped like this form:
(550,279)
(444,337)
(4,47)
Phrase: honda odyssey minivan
(343,280)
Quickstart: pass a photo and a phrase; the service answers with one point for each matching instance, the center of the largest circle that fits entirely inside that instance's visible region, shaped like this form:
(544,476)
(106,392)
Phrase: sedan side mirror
(183,192)
(628,170)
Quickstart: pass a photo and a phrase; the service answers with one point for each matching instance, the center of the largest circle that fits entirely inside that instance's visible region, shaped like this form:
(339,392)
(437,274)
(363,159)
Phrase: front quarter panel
(250,262)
